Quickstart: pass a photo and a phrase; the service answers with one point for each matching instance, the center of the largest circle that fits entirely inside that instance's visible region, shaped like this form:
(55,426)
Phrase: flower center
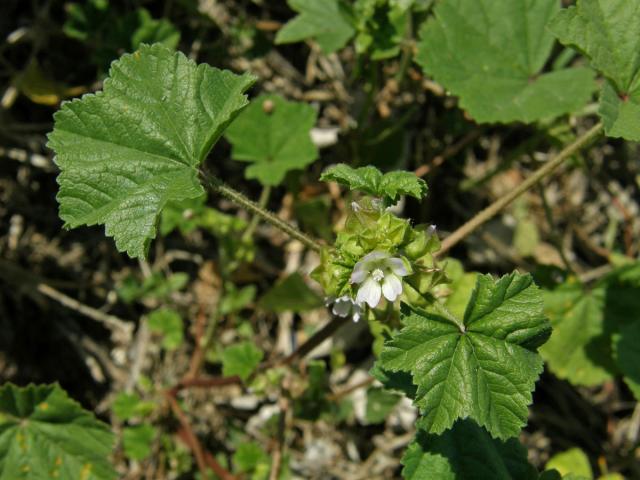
(377,275)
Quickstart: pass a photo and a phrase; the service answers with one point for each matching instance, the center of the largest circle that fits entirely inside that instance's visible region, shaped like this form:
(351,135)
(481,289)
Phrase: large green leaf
(466,452)
(491,54)
(329,22)
(579,349)
(483,366)
(275,136)
(44,434)
(627,349)
(585,319)
(608,33)
(128,150)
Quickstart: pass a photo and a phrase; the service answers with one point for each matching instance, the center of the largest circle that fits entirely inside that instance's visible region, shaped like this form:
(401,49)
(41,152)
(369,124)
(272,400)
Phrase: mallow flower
(378,273)
(345,306)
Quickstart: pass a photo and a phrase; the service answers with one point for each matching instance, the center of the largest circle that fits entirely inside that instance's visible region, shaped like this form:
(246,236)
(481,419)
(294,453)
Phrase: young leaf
(573,461)
(137,441)
(607,31)
(128,150)
(129,405)
(273,134)
(370,180)
(491,54)
(241,359)
(483,366)
(466,452)
(248,456)
(168,323)
(45,434)
(329,22)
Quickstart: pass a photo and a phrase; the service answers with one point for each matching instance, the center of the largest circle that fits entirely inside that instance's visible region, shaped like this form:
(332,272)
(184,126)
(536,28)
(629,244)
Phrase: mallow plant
(141,145)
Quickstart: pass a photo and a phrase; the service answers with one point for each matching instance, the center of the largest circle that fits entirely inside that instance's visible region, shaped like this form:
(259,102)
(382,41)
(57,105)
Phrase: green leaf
(290,295)
(483,366)
(235,299)
(370,180)
(155,286)
(45,434)
(248,456)
(168,323)
(129,405)
(607,32)
(128,150)
(579,349)
(573,461)
(491,54)
(466,452)
(627,349)
(137,441)
(241,360)
(274,135)
(329,22)
(380,403)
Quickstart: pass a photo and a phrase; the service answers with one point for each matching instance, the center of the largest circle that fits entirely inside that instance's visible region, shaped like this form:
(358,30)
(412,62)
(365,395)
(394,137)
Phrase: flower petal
(374,256)
(369,293)
(342,306)
(397,266)
(360,272)
(391,287)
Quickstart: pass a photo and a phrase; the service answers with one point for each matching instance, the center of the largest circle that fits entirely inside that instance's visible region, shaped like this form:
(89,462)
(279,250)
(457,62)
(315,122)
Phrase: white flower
(344,306)
(378,273)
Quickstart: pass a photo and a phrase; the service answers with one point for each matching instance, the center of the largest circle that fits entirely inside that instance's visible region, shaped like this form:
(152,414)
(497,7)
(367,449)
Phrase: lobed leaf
(125,152)
(329,22)
(608,33)
(46,434)
(241,360)
(491,53)
(372,181)
(274,135)
(466,451)
(483,366)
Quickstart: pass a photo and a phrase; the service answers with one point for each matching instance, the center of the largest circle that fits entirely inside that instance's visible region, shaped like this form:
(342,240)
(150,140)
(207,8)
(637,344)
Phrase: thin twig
(493,209)
(205,382)
(218,186)
(448,152)
(203,458)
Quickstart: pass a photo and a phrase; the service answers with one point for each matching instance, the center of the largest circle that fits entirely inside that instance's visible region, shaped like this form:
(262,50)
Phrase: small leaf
(45,434)
(380,403)
(607,32)
(329,22)
(274,135)
(248,456)
(241,360)
(573,461)
(129,405)
(168,323)
(235,299)
(137,441)
(128,150)
(466,452)
(291,295)
(483,366)
(491,54)
(371,181)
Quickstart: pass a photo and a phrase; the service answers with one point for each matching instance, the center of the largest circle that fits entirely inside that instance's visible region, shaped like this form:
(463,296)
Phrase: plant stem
(493,209)
(262,203)
(218,186)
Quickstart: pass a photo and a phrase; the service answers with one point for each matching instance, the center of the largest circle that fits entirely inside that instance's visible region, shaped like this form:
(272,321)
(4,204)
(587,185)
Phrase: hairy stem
(262,203)
(218,186)
(493,209)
